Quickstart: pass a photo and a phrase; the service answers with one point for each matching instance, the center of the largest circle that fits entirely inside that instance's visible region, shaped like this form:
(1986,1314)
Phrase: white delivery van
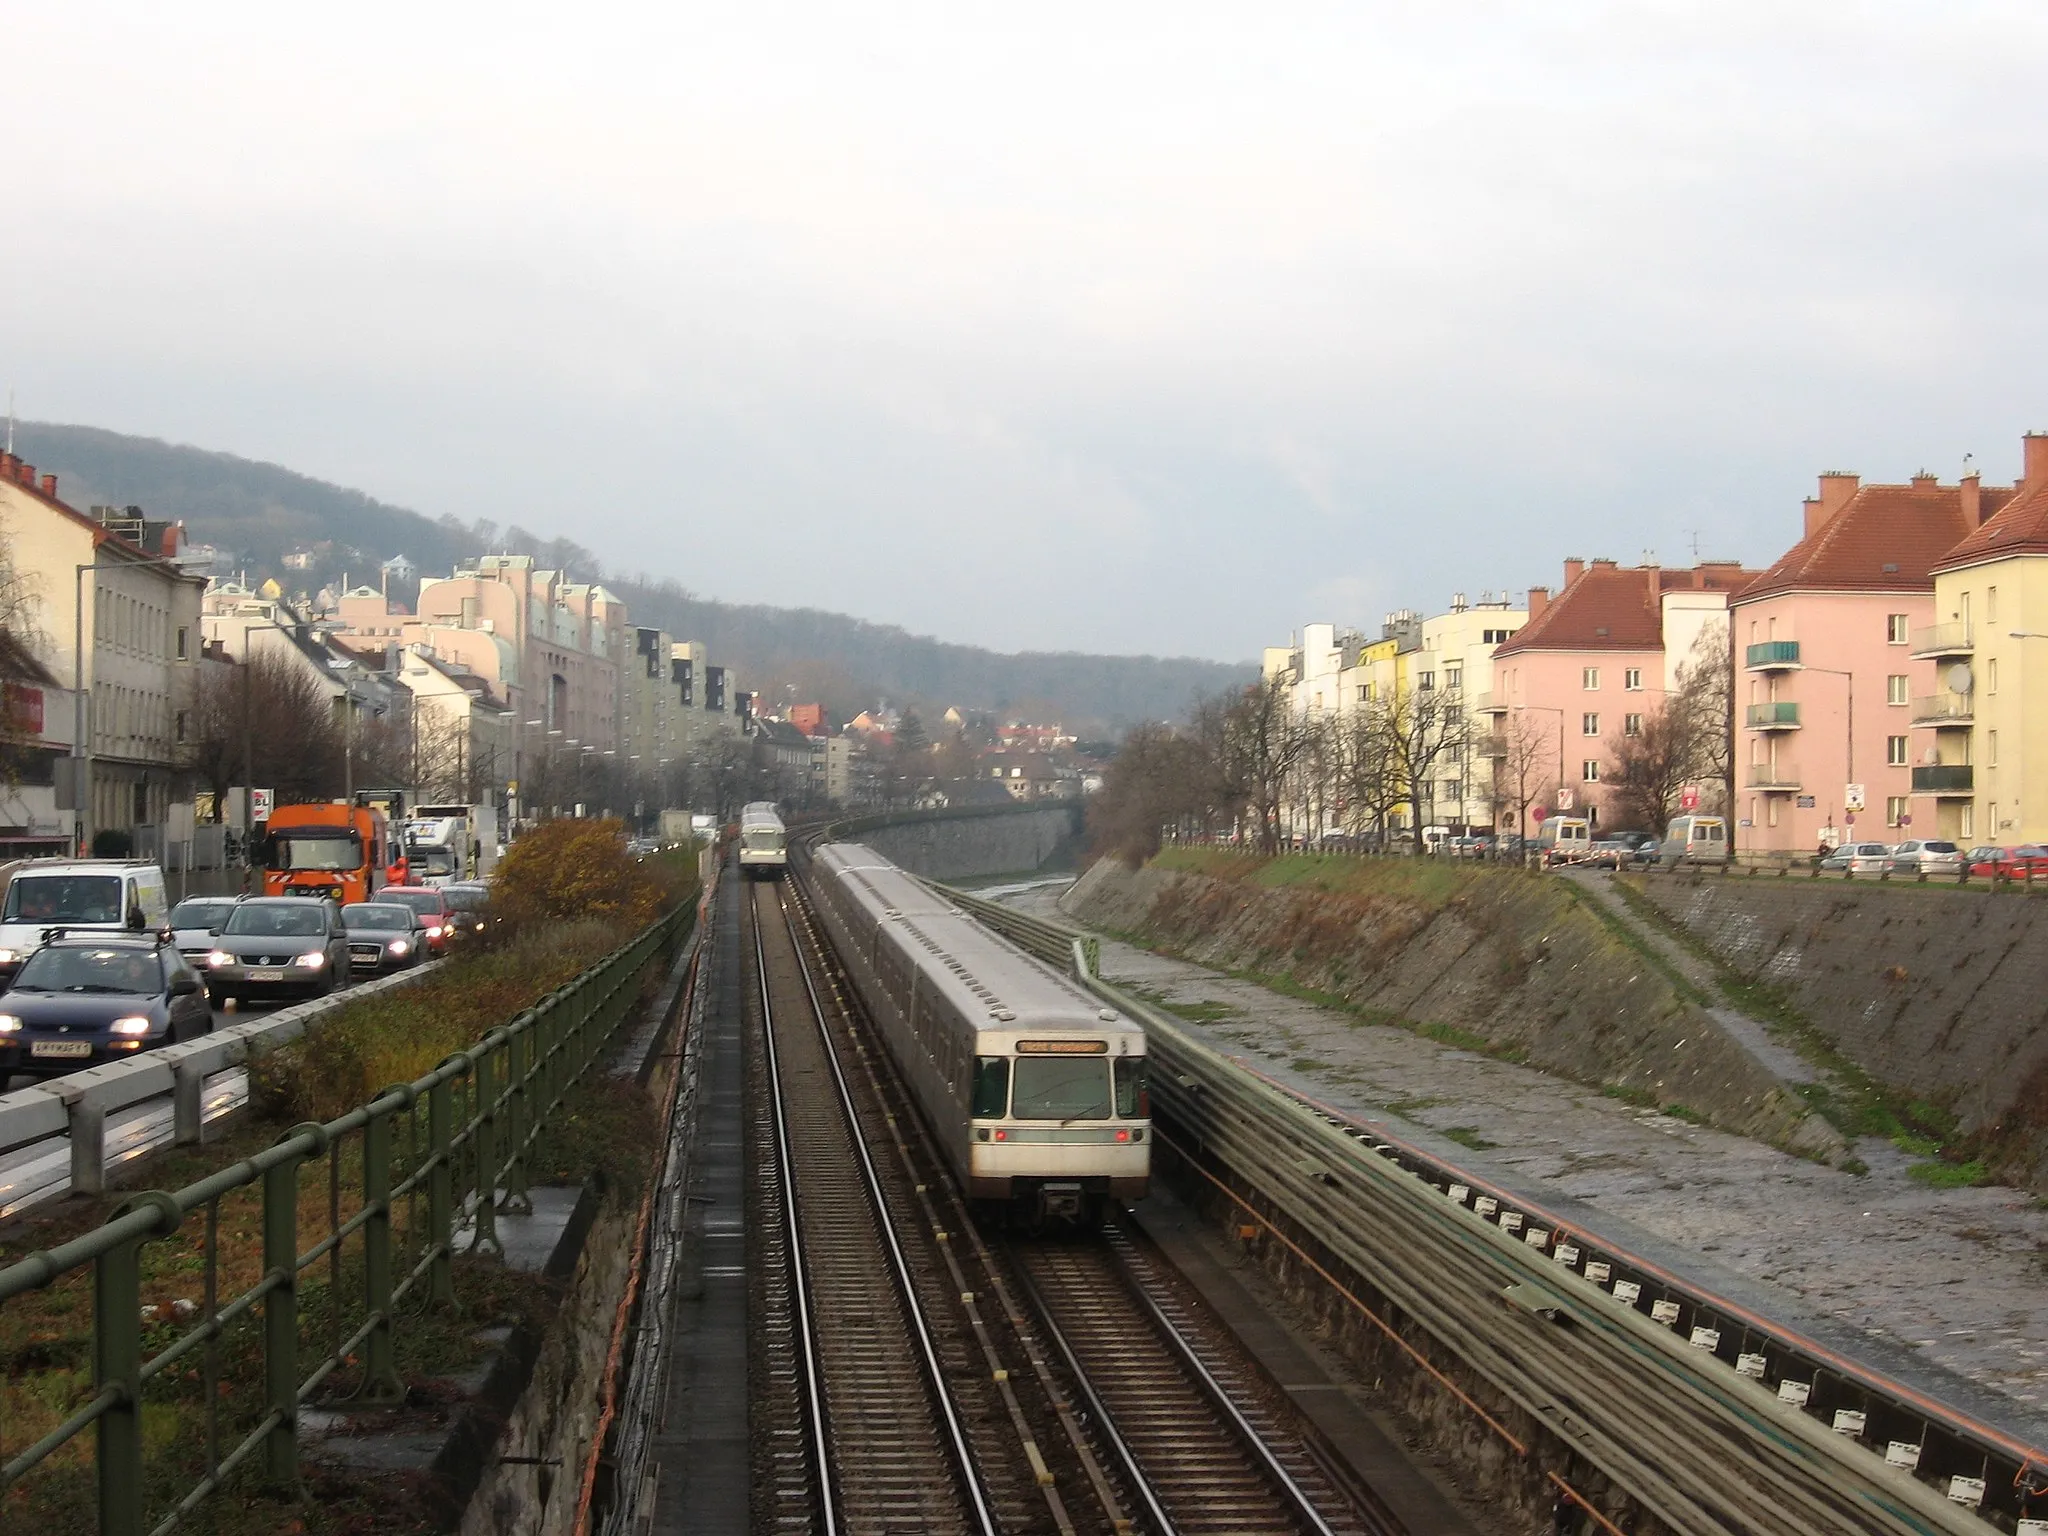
(1565,839)
(1694,840)
(77,895)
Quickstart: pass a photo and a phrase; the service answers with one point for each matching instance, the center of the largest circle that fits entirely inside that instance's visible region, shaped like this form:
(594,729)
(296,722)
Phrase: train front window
(991,1086)
(1061,1088)
(1132,1102)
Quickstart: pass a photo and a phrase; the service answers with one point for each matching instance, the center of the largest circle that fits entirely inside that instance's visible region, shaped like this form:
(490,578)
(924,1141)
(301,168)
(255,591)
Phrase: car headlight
(134,1024)
(220,957)
(434,932)
(10,1024)
(311,962)
(9,956)
(398,946)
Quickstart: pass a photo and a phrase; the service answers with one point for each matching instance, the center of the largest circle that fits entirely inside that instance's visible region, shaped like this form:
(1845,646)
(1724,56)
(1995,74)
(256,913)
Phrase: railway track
(1135,1413)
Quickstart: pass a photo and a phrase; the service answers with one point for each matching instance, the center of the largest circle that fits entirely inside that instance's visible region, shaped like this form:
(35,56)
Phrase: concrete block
(29,1114)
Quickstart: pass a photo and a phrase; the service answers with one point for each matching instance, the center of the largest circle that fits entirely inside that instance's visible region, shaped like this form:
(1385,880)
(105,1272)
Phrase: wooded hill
(256,514)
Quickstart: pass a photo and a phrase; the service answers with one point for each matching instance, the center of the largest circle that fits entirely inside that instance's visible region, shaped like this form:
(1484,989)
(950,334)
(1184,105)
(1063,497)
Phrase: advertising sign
(1852,797)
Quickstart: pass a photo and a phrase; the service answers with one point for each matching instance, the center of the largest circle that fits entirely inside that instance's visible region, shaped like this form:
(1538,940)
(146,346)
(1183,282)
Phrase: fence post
(117,1363)
(381,1386)
(88,1148)
(188,1104)
(441,1190)
(281,1311)
(520,1113)
(484,1058)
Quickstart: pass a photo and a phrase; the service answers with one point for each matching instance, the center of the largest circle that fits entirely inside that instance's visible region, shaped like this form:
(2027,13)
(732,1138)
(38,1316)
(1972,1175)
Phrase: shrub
(574,869)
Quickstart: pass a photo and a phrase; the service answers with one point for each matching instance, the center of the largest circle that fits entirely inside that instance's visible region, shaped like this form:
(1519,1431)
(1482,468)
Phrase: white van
(1694,840)
(1565,839)
(109,895)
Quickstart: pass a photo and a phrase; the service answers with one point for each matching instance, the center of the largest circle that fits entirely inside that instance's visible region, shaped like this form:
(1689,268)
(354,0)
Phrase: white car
(1925,856)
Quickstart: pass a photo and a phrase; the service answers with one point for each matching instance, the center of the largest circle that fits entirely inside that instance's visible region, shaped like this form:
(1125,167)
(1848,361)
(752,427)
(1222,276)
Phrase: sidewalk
(1945,1289)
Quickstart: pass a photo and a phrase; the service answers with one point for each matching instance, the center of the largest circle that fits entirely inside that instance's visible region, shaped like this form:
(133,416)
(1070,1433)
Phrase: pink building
(1592,662)
(1827,689)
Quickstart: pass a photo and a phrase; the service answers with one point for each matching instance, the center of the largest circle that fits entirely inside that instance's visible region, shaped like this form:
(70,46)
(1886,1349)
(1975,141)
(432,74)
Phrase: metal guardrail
(65,1135)
(1708,1415)
(485,1110)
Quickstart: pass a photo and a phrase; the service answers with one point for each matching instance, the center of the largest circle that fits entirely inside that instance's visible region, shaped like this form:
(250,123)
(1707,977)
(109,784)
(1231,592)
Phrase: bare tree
(278,713)
(1525,771)
(1263,741)
(1705,703)
(1653,766)
(1424,728)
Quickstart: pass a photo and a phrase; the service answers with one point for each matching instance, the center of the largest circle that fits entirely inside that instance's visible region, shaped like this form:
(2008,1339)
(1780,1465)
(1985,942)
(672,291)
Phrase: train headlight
(980,1135)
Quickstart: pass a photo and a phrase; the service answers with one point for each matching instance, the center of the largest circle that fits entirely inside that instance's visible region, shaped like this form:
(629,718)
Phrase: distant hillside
(257,513)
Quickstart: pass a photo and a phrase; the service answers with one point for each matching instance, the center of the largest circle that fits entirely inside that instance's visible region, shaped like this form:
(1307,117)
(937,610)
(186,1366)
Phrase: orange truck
(332,849)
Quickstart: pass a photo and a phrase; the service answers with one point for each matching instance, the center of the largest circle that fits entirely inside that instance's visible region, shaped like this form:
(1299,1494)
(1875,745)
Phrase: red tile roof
(1617,608)
(1885,538)
(2019,528)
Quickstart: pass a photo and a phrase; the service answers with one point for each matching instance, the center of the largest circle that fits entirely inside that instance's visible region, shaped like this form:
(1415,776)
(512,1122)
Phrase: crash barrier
(66,1134)
(1707,1415)
(425,1163)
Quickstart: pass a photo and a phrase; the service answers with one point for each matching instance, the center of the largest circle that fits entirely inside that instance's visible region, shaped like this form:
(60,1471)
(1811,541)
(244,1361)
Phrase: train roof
(760,814)
(986,973)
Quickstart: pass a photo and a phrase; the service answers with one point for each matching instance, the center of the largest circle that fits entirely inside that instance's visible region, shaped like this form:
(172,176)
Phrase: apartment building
(1837,702)
(113,577)
(1592,663)
(1980,753)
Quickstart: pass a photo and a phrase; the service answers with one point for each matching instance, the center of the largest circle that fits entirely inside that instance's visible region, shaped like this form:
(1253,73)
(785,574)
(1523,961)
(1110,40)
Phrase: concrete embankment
(1518,965)
(966,846)
(1939,993)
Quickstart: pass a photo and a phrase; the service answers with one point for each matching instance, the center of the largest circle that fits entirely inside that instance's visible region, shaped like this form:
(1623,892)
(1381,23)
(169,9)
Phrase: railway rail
(1704,1415)
(1136,1413)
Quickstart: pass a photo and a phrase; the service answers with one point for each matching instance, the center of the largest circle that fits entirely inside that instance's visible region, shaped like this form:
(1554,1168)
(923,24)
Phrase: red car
(432,908)
(2029,861)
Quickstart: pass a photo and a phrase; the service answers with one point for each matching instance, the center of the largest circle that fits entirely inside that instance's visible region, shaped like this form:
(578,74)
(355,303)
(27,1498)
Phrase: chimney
(1837,489)
(1572,570)
(1924,481)
(8,464)
(28,474)
(2035,445)
(1539,599)
(1653,581)
(1973,506)
(50,486)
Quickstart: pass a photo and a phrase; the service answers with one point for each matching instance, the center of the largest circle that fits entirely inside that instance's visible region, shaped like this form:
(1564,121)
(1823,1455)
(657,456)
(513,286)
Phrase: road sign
(1539,813)
(261,802)
(1564,799)
(1852,797)
(1689,798)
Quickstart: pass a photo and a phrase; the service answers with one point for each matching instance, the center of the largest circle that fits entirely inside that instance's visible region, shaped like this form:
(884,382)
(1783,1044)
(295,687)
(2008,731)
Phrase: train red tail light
(1002,1135)
(1123,1135)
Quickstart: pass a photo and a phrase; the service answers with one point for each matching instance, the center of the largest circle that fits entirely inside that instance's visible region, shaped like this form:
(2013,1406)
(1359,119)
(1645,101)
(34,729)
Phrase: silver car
(1858,859)
(1925,856)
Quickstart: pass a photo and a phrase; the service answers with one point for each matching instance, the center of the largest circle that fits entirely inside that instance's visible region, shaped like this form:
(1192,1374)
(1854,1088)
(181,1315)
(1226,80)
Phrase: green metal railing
(422,1180)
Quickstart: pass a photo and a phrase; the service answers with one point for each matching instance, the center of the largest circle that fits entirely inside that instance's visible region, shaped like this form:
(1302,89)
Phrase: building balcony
(1773,778)
(1938,640)
(1944,709)
(1944,779)
(1488,703)
(1779,715)
(1494,745)
(1773,656)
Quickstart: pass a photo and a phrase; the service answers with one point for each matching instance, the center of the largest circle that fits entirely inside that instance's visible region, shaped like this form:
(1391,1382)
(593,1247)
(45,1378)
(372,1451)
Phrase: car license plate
(70,1049)
(265,973)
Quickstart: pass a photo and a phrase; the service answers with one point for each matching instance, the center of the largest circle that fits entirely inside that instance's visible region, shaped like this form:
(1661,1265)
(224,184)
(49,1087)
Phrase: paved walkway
(1944,1289)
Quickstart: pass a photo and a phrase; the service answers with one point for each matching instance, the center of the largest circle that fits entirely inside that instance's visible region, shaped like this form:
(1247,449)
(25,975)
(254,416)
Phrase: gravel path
(1945,1289)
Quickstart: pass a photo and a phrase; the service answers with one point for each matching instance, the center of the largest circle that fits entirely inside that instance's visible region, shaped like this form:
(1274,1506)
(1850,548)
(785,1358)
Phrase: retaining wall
(963,846)
(1939,991)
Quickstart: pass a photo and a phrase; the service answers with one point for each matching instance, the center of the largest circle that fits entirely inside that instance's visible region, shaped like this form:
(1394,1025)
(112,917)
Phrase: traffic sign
(1852,797)
(1564,799)
(1689,798)
(1539,813)
(261,801)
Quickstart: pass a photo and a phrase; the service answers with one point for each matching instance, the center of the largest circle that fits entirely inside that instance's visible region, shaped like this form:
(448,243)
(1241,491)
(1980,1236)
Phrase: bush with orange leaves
(572,870)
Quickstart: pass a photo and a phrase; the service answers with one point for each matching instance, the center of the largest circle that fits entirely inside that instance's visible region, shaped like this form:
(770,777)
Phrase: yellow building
(1980,773)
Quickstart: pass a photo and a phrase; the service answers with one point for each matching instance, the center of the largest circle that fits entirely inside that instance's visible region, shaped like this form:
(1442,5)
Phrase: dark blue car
(93,998)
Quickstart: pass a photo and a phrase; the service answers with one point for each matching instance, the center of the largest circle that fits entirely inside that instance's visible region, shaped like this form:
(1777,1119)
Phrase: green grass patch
(1468,1136)
(1686,1113)
(1936,1174)
(1429,883)
(1412,1107)
(1641,1098)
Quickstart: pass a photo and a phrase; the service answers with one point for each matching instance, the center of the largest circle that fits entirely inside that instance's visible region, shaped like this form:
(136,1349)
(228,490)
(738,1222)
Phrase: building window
(1895,810)
(1895,751)
(1428,682)
(1895,629)
(1991,675)
(1589,771)
(184,643)
(1589,679)
(1991,605)
(1991,742)
(1454,678)
(1632,679)
(1453,791)
(1365,693)
(1969,827)
(1631,725)
(1895,688)
(1589,725)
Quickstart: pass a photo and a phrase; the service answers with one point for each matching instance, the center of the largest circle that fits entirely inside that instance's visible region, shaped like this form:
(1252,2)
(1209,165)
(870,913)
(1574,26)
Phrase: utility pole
(248,763)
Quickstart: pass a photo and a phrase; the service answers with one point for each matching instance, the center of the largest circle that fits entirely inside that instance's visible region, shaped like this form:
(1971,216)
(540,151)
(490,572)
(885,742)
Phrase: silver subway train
(764,844)
(1034,1091)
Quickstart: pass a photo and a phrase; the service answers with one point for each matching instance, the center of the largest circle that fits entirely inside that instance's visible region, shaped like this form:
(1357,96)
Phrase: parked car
(85,999)
(383,936)
(1607,853)
(1925,856)
(1466,847)
(1858,859)
(434,908)
(2029,861)
(1982,861)
(193,923)
(273,946)
(470,901)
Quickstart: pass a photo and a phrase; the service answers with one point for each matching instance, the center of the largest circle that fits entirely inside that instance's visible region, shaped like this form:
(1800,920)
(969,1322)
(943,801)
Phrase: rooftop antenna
(1695,546)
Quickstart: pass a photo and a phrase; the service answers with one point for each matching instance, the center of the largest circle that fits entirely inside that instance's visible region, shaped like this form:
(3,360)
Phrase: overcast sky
(1139,327)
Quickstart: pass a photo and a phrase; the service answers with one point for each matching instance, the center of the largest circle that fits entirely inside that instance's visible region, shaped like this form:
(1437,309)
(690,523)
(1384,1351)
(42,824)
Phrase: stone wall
(1938,991)
(965,846)
(1515,959)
